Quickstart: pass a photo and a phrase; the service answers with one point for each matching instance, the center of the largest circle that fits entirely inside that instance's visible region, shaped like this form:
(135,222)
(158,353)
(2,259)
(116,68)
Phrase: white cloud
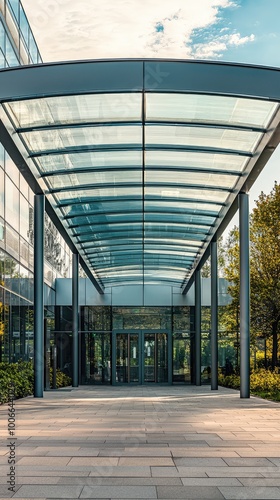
(220,44)
(125,28)
(237,39)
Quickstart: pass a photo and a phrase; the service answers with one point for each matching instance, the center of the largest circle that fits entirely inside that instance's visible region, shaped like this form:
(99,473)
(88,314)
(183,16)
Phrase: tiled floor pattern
(143,443)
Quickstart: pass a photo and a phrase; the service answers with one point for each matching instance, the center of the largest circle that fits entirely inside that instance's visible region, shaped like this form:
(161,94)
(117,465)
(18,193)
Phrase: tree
(264,271)
(206,269)
(265,266)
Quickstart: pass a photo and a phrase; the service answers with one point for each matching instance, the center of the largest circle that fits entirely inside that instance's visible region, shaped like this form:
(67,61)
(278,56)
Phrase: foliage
(265,266)
(263,383)
(264,271)
(206,269)
(62,380)
(21,375)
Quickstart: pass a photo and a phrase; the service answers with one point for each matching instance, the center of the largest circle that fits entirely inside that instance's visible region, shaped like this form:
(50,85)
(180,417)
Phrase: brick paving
(143,443)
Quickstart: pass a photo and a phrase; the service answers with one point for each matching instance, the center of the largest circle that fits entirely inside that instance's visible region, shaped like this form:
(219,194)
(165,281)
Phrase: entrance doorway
(139,357)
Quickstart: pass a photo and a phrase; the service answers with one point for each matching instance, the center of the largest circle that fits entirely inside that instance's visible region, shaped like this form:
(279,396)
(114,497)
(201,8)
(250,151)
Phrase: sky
(243,31)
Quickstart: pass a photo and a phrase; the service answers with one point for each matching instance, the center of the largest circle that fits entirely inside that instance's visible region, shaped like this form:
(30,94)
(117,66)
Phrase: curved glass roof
(142,178)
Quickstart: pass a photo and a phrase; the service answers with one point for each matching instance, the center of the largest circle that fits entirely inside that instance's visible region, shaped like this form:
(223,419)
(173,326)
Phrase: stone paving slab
(233,493)
(119,492)
(189,492)
(144,442)
(43,491)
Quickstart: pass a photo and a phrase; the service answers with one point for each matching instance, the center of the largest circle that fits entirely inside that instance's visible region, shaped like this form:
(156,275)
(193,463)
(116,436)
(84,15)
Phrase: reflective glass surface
(208,109)
(77,109)
(141,182)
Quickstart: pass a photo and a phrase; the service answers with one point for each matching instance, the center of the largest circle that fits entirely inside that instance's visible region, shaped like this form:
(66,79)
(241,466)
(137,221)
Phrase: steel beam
(214,316)
(197,323)
(75,319)
(244,295)
(39,216)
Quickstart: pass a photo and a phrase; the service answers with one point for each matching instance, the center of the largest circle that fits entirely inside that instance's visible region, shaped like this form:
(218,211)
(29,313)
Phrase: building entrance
(139,357)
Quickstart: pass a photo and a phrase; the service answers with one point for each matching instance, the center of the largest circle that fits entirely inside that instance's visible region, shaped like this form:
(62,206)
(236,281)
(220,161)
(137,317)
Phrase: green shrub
(21,376)
(62,380)
(263,383)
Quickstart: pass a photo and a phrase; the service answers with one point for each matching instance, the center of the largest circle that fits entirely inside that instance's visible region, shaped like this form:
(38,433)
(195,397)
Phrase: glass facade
(17,42)
(17,46)
(126,345)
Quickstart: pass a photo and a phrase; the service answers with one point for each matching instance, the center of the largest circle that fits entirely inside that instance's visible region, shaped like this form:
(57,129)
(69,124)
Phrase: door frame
(141,338)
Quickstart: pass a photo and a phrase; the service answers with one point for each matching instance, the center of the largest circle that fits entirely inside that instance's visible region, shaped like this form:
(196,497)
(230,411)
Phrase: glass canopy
(141,179)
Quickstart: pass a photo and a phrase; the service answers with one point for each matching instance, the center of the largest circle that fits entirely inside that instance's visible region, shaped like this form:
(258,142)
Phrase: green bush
(62,380)
(263,383)
(21,376)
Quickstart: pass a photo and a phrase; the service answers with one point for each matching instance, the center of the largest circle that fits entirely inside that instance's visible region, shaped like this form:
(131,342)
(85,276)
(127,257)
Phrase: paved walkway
(144,443)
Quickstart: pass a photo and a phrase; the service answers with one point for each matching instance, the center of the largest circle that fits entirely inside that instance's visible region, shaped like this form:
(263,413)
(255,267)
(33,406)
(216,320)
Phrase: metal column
(75,320)
(197,321)
(244,295)
(214,316)
(39,215)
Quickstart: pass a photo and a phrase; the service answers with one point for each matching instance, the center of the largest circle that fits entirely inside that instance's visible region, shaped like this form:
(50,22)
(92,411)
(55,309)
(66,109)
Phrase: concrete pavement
(143,443)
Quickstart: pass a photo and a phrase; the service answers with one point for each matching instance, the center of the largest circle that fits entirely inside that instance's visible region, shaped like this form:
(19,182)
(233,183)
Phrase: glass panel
(53,140)
(12,241)
(100,207)
(95,351)
(103,193)
(15,7)
(77,109)
(182,358)
(162,357)
(112,228)
(32,48)
(122,358)
(24,24)
(91,178)
(149,358)
(185,159)
(11,57)
(133,358)
(104,159)
(2,191)
(11,169)
(25,222)
(182,206)
(24,252)
(168,228)
(185,193)
(208,109)
(187,219)
(12,203)
(175,241)
(2,60)
(2,37)
(191,178)
(202,137)
(108,219)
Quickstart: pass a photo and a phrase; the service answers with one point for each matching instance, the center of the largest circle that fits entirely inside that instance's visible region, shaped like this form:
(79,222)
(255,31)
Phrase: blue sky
(243,31)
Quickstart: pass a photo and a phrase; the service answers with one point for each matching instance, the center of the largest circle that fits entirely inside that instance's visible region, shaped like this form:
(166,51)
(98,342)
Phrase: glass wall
(17,43)
(125,337)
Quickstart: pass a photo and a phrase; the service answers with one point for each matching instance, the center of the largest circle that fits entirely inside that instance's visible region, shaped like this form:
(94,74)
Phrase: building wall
(137,295)
(17,47)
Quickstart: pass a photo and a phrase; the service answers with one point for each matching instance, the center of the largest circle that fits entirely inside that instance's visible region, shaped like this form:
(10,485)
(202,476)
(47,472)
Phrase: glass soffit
(141,181)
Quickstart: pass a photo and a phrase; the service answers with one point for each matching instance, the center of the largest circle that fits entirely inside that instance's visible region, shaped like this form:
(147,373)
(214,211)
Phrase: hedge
(263,383)
(21,376)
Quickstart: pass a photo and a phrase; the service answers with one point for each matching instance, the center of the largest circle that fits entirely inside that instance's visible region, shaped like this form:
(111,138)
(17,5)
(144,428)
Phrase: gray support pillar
(75,320)
(214,316)
(39,215)
(197,321)
(244,295)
